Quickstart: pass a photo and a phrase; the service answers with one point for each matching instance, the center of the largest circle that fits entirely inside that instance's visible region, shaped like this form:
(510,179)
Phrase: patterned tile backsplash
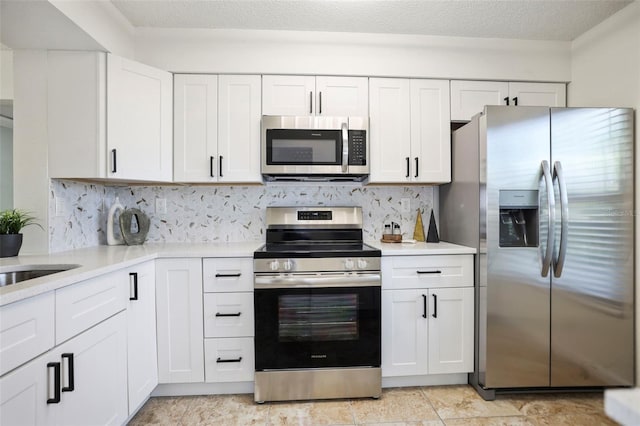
(220,213)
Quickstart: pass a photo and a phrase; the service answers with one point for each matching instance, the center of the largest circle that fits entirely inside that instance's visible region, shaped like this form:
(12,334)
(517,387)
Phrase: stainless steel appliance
(317,307)
(315,148)
(546,196)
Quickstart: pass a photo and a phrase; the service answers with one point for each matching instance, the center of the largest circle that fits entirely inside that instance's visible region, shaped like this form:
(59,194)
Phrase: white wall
(6,73)
(605,71)
(305,52)
(6,165)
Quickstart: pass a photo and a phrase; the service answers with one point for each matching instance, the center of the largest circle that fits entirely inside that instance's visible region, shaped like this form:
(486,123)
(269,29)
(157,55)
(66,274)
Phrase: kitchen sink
(15,274)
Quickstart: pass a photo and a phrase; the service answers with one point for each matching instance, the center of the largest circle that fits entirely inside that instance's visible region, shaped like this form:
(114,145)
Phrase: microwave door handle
(345,148)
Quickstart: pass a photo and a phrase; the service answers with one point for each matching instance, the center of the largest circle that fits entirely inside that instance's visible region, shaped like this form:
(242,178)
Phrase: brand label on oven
(318,356)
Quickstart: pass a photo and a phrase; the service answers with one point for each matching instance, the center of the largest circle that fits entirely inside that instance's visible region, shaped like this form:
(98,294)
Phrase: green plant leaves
(12,221)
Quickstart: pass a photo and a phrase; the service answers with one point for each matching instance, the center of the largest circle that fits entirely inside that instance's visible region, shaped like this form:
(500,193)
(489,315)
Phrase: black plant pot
(10,244)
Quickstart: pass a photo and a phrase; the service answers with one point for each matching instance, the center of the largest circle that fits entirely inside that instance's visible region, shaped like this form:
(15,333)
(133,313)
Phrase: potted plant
(11,222)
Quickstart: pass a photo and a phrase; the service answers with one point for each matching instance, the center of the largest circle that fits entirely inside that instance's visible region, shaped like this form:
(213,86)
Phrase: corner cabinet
(217,128)
(427,303)
(468,98)
(410,131)
(111,114)
(309,95)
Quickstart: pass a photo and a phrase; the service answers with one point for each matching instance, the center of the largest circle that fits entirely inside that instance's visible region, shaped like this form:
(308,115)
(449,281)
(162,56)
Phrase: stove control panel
(337,264)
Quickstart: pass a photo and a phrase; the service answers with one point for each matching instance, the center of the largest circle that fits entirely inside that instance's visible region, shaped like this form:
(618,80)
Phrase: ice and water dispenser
(518,218)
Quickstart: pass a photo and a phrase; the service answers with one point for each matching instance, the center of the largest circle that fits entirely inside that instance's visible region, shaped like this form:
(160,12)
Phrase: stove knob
(274,265)
(362,264)
(348,263)
(287,265)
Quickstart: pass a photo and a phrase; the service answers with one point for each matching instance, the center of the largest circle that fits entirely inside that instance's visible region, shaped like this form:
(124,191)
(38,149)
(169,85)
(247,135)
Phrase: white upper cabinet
(108,117)
(217,128)
(468,98)
(410,130)
(309,95)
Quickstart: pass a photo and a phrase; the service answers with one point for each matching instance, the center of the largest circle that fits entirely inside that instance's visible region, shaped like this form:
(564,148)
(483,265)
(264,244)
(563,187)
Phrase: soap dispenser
(114,235)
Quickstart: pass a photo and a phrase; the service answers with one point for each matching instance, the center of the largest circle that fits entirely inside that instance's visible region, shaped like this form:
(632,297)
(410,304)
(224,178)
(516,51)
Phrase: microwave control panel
(357,147)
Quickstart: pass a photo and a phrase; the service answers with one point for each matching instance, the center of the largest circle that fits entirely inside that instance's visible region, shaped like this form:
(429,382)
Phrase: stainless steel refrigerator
(546,195)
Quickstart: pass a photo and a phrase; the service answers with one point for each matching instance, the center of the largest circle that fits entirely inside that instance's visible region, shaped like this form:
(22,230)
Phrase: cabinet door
(288,95)
(451,330)
(195,128)
(538,94)
(404,333)
(24,395)
(227,274)
(179,320)
(468,98)
(228,315)
(239,128)
(99,375)
(389,109)
(139,121)
(229,360)
(430,131)
(142,356)
(342,96)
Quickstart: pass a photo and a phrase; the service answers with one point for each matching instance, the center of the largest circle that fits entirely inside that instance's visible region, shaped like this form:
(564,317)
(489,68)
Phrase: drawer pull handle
(133,275)
(71,373)
(435,306)
(218,314)
(56,383)
(424,306)
(229,360)
(428,272)
(228,275)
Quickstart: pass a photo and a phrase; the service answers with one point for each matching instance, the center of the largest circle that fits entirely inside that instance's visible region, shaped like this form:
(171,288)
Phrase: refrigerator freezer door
(514,343)
(592,299)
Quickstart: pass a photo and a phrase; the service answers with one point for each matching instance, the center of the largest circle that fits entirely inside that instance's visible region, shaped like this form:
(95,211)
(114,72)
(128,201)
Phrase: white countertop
(95,261)
(623,405)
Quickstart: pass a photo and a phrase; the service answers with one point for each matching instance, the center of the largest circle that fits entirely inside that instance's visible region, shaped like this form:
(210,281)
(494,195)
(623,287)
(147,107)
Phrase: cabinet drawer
(229,360)
(83,305)
(227,274)
(228,314)
(427,271)
(26,330)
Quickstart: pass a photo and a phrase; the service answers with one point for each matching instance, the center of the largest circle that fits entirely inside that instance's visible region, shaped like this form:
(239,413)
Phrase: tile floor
(417,406)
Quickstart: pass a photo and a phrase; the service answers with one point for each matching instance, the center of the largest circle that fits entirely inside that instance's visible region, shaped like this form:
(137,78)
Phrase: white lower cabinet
(142,360)
(229,359)
(81,382)
(429,329)
(179,320)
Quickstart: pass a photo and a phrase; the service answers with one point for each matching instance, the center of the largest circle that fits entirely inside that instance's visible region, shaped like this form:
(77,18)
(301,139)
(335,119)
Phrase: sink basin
(15,274)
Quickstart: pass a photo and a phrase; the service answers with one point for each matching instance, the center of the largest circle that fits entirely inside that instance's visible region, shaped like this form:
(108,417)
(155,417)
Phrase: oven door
(315,326)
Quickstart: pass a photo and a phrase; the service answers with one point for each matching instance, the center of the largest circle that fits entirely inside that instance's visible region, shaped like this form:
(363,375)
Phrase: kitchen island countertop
(420,248)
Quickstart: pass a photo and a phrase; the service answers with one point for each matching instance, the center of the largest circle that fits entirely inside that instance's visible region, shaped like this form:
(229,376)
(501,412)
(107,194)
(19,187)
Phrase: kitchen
(381,56)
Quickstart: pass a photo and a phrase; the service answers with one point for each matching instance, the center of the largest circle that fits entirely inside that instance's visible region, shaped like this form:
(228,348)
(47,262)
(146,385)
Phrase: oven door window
(320,327)
(304,147)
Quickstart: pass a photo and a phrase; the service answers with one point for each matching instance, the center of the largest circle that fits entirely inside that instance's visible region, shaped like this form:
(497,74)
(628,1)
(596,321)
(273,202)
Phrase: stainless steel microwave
(314,148)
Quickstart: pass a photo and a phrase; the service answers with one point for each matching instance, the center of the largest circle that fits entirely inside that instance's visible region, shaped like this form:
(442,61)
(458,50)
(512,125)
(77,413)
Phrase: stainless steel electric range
(317,307)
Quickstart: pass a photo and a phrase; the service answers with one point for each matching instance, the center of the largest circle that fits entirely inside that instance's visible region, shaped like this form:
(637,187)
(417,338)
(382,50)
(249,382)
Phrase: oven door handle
(292,281)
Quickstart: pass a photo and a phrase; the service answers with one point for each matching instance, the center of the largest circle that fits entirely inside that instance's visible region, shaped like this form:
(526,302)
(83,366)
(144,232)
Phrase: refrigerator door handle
(564,219)
(551,219)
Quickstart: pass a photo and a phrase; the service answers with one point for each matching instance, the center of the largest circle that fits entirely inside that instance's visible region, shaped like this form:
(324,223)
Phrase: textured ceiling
(519,19)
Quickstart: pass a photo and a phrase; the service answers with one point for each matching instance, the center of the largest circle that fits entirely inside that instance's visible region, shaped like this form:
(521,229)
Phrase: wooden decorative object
(418,231)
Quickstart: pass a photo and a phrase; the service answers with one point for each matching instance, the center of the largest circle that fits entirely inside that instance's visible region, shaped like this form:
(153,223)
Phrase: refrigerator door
(515,296)
(592,299)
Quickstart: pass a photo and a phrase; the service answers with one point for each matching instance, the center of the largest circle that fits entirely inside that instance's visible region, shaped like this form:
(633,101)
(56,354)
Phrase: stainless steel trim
(345,148)
(345,279)
(551,219)
(317,264)
(320,383)
(564,219)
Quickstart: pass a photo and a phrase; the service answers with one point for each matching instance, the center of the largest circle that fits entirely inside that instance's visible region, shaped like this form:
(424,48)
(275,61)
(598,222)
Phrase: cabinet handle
(424,306)
(237,314)
(515,101)
(228,275)
(506,100)
(416,167)
(135,285)
(229,360)
(220,169)
(56,383)
(114,164)
(211,166)
(310,102)
(408,159)
(435,306)
(320,98)
(428,272)
(70,373)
